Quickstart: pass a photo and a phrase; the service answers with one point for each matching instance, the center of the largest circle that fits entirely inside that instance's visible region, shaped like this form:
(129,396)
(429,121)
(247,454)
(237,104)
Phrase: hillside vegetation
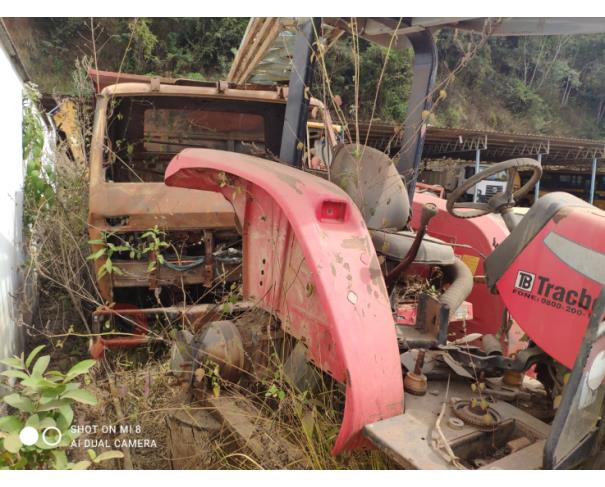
(553,85)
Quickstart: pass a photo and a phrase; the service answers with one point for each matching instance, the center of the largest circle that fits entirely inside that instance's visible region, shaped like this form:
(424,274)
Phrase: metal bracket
(208,266)
(474,357)
(222,86)
(155,84)
(432,318)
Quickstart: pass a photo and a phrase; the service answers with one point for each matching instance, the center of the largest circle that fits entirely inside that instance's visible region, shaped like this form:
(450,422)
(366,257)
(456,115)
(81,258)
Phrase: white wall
(11,208)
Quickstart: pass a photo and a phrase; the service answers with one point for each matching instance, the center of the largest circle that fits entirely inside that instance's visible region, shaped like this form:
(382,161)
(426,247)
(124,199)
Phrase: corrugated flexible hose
(461,279)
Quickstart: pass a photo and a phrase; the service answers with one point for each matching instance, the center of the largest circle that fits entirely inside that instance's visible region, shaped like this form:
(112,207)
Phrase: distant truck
(486,188)
(451,174)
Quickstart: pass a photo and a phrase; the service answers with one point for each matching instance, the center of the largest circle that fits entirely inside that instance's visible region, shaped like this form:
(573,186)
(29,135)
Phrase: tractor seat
(396,245)
(370,178)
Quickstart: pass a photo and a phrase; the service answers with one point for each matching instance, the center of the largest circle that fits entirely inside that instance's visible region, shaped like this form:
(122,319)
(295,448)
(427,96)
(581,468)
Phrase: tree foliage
(553,84)
(43,401)
(192,47)
(386,99)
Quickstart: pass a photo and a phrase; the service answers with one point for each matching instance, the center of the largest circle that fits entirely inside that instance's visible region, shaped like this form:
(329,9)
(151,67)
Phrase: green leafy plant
(232,297)
(150,246)
(276,388)
(275,392)
(107,251)
(212,371)
(43,400)
(154,247)
(39,176)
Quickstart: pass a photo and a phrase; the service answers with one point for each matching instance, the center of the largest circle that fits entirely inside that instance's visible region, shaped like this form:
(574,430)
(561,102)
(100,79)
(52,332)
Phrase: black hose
(228,256)
(461,279)
(184,267)
(429,210)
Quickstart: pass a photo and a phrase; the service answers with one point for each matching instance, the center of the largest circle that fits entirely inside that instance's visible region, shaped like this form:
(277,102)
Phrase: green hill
(553,85)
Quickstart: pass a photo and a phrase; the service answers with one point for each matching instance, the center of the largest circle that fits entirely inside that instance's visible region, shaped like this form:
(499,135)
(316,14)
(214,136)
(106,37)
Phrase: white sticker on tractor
(525,281)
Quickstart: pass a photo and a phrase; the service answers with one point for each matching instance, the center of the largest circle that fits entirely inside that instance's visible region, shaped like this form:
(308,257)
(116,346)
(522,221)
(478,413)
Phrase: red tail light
(332,211)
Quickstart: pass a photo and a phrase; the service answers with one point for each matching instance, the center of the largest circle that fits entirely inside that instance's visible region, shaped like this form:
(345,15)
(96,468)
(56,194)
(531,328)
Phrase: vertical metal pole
(425,71)
(537,187)
(593,177)
(477,169)
(297,108)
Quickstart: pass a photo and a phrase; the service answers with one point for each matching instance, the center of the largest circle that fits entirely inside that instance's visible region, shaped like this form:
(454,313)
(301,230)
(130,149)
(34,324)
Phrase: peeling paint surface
(349,330)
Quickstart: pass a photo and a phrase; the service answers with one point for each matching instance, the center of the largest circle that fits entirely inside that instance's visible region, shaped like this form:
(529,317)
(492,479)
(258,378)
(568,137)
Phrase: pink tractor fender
(309,260)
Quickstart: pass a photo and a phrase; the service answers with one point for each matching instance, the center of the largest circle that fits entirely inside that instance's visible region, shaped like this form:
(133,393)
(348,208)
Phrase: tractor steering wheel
(500,201)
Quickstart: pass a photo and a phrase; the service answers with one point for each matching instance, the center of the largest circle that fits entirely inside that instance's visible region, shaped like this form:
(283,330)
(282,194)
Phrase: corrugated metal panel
(495,146)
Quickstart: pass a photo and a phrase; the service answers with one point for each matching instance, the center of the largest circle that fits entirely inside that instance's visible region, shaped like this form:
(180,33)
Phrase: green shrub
(43,399)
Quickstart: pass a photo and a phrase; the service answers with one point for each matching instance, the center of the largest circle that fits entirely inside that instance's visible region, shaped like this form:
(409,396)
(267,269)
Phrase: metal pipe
(593,176)
(477,169)
(139,336)
(419,362)
(419,102)
(99,345)
(173,310)
(537,187)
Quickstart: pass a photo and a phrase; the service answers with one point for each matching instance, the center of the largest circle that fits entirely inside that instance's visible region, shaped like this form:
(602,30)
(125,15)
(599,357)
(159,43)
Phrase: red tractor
(332,262)
(465,336)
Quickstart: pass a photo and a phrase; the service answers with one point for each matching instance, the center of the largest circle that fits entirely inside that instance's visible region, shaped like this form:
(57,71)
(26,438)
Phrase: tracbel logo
(525,280)
(540,289)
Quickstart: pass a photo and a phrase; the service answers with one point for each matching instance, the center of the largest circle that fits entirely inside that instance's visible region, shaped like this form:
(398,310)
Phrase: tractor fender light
(332,211)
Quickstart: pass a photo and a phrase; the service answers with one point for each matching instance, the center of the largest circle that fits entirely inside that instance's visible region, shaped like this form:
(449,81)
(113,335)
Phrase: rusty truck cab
(154,247)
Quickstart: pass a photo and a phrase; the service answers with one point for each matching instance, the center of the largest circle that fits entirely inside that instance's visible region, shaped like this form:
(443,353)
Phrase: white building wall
(11,205)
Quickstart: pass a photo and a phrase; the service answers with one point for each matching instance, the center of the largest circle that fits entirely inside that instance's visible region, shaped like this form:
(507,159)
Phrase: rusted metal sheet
(186,127)
(411,438)
(129,207)
(135,274)
(268,94)
(104,79)
(309,259)
(129,150)
(149,204)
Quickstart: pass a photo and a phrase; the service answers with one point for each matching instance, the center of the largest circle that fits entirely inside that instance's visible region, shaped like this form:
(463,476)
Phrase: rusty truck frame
(172,251)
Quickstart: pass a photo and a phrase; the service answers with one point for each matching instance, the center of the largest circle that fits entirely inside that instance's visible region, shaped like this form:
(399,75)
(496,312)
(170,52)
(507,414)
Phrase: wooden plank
(251,30)
(258,38)
(256,433)
(190,436)
(260,49)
